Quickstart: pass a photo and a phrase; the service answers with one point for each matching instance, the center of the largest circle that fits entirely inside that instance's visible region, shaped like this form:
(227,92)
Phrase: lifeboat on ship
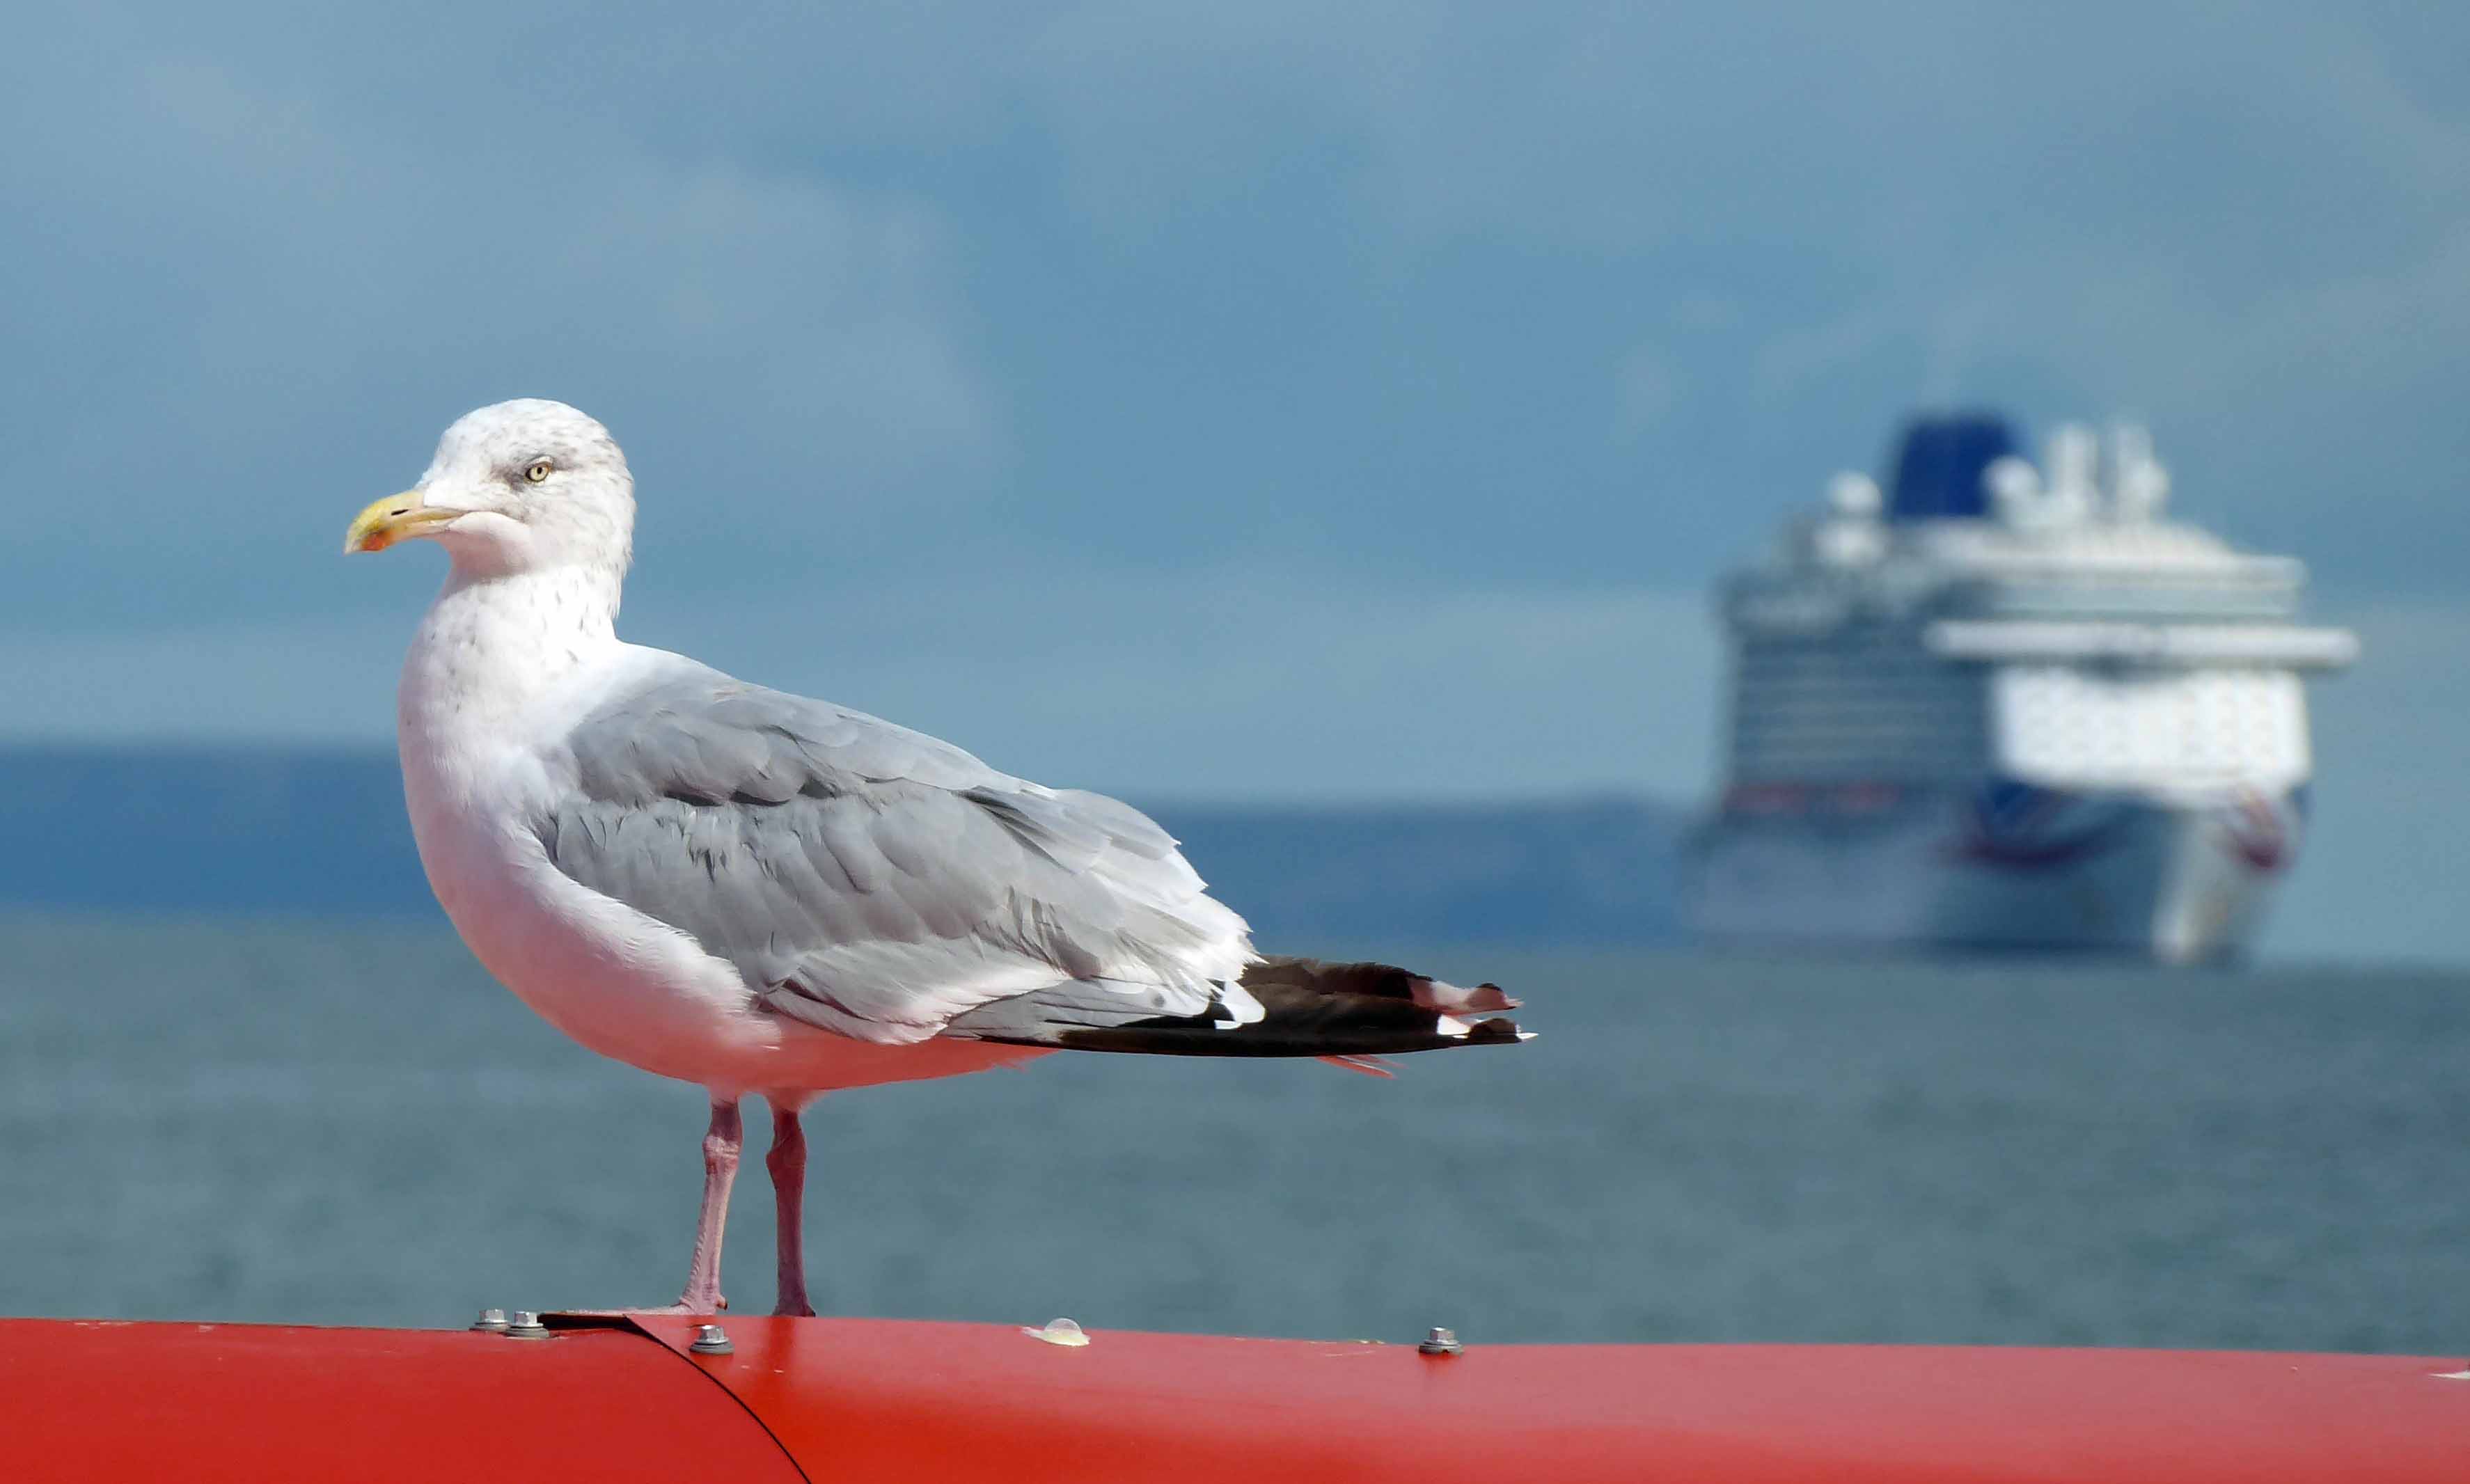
(677,1400)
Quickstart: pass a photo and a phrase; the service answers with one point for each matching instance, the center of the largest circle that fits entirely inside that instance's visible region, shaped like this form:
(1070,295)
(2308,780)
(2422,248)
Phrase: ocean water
(348,1122)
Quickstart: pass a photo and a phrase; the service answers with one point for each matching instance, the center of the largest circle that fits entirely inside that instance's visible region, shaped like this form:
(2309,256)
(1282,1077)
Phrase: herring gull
(764,894)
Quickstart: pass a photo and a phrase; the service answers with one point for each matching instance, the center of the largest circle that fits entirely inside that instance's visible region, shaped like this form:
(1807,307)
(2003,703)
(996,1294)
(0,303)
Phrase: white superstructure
(2008,706)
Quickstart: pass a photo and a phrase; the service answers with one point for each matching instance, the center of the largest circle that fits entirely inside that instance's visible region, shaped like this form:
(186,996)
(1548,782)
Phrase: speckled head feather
(545,483)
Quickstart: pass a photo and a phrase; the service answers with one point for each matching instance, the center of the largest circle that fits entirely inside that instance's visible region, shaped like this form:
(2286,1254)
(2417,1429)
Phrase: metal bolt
(492,1321)
(1441,1342)
(1058,1331)
(710,1339)
(526,1326)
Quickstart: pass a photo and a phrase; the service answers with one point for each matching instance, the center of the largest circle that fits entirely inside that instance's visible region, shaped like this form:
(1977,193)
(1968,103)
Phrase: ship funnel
(2074,463)
(2139,485)
(1939,466)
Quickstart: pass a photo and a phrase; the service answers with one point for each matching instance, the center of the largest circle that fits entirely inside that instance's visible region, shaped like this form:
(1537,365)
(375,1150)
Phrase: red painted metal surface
(882,1400)
(96,1400)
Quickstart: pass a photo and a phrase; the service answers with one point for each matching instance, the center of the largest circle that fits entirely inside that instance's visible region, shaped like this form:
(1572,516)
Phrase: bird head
(515,486)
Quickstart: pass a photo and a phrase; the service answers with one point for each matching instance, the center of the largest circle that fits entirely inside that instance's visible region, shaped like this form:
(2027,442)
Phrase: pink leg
(787,1162)
(720,1146)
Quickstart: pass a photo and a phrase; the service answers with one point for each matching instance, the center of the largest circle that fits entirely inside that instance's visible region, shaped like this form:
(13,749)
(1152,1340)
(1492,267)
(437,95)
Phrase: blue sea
(347,1123)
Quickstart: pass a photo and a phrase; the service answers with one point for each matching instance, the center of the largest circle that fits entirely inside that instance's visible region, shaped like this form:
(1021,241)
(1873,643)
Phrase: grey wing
(875,881)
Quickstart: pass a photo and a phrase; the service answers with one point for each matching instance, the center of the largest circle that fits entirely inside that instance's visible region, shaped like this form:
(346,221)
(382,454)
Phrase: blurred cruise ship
(2005,707)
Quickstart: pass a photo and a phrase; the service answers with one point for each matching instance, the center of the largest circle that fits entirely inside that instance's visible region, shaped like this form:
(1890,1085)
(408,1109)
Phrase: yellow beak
(394,519)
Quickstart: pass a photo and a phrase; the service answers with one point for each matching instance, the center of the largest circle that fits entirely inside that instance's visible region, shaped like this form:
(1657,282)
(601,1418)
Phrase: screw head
(1441,1342)
(492,1321)
(710,1339)
(526,1326)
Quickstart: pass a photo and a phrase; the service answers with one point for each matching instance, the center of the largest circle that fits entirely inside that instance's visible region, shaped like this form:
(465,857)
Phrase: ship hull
(2001,867)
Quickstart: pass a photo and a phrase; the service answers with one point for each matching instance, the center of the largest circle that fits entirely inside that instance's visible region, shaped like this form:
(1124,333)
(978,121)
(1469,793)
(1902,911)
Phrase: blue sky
(1221,401)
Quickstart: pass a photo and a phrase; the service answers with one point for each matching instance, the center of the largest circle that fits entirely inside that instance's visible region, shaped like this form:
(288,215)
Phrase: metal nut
(710,1339)
(1441,1342)
(492,1321)
(526,1326)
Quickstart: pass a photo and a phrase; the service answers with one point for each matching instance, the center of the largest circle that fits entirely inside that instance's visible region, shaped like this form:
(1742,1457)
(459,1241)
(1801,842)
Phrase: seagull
(773,896)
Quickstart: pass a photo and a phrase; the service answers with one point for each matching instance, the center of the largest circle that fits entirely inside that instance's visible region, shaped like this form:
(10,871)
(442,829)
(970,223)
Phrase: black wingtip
(1336,1012)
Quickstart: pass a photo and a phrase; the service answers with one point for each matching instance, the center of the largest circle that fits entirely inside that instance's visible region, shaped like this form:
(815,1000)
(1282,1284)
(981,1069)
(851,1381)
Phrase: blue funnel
(1939,462)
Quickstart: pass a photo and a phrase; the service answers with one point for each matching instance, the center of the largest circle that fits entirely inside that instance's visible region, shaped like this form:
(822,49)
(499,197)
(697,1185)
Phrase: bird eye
(538,470)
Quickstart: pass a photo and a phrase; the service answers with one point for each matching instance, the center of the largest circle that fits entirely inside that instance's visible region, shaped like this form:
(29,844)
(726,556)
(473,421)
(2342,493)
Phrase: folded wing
(869,880)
